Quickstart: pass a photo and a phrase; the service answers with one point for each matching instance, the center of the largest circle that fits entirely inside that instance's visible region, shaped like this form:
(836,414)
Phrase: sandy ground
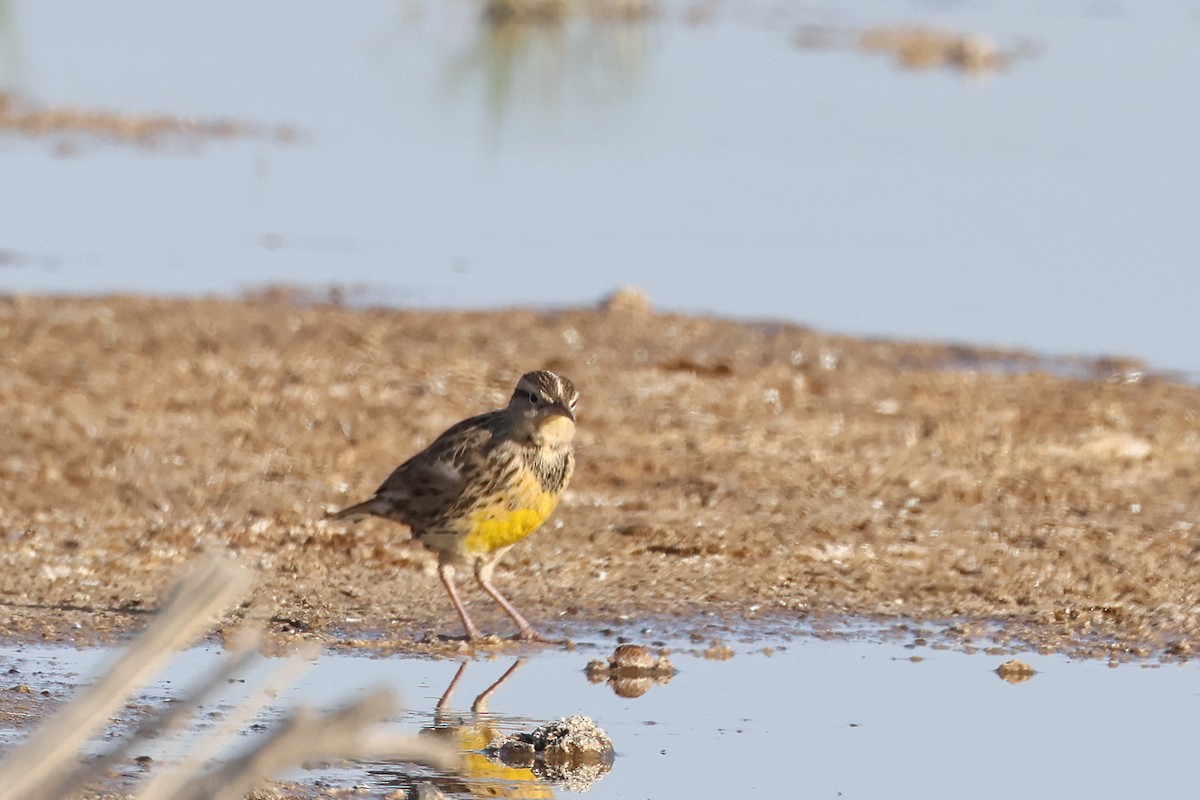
(765,475)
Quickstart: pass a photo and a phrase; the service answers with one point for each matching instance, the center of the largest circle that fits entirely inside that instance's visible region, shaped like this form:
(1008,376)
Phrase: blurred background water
(796,161)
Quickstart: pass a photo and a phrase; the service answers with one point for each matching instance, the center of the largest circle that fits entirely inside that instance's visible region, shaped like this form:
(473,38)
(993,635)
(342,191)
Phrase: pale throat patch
(556,430)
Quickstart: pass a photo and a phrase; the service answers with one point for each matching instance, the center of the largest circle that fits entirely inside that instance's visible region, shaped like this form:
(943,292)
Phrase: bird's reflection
(482,776)
(498,765)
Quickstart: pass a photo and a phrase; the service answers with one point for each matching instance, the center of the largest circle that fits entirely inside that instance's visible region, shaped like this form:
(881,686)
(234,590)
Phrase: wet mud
(757,476)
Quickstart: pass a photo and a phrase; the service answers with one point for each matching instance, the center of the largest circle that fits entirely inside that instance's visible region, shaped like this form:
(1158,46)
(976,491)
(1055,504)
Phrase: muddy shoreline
(751,476)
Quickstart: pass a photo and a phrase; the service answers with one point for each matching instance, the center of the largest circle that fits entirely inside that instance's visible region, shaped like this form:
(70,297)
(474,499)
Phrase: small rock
(573,751)
(632,656)
(718,651)
(1015,671)
(574,739)
(631,670)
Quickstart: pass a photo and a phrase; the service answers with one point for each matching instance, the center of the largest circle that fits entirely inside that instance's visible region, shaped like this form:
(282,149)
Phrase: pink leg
(480,706)
(444,702)
(483,574)
(446,573)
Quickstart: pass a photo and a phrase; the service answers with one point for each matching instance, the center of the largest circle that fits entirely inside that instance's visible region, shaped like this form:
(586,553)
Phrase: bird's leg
(442,716)
(446,573)
(480,706)
(443,703)
(483,574)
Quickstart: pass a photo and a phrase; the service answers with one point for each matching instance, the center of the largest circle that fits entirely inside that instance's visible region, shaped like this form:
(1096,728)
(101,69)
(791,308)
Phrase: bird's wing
(446,467)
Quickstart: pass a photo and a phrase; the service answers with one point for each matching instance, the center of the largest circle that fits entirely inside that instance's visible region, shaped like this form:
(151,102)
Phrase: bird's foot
(530,635)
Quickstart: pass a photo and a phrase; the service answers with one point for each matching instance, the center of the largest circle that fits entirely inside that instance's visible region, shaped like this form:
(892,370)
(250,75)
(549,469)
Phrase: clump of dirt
(631,670)
(572,739)
(717,651)
(572,751)
(1015,671)
(761,474)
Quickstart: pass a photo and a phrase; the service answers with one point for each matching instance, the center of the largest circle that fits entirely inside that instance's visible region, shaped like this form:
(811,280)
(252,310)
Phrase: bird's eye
(533,398)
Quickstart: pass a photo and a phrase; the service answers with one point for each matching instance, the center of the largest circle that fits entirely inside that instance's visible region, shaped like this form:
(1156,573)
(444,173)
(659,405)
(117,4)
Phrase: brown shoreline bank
(742,469)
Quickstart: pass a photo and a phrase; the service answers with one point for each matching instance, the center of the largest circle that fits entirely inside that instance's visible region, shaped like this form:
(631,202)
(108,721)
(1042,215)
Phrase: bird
(484,485)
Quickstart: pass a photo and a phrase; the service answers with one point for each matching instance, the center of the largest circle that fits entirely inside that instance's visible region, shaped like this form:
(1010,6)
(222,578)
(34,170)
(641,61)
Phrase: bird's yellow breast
(510,517)
(494,528)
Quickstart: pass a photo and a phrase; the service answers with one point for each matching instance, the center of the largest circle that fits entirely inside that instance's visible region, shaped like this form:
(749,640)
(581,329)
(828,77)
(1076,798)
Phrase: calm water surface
(701,154)
(814,719)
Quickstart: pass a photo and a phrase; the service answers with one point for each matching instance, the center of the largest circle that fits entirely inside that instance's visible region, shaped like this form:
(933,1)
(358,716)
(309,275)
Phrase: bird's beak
(561,410)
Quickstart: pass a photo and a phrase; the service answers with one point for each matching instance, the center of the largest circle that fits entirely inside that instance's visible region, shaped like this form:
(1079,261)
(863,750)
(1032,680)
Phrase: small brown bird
(484,485)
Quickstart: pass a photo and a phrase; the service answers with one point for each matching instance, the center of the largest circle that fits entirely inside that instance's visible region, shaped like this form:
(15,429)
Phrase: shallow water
(702,154)
(814,718)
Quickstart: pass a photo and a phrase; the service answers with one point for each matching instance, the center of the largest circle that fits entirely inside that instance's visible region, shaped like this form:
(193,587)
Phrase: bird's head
(544,404)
